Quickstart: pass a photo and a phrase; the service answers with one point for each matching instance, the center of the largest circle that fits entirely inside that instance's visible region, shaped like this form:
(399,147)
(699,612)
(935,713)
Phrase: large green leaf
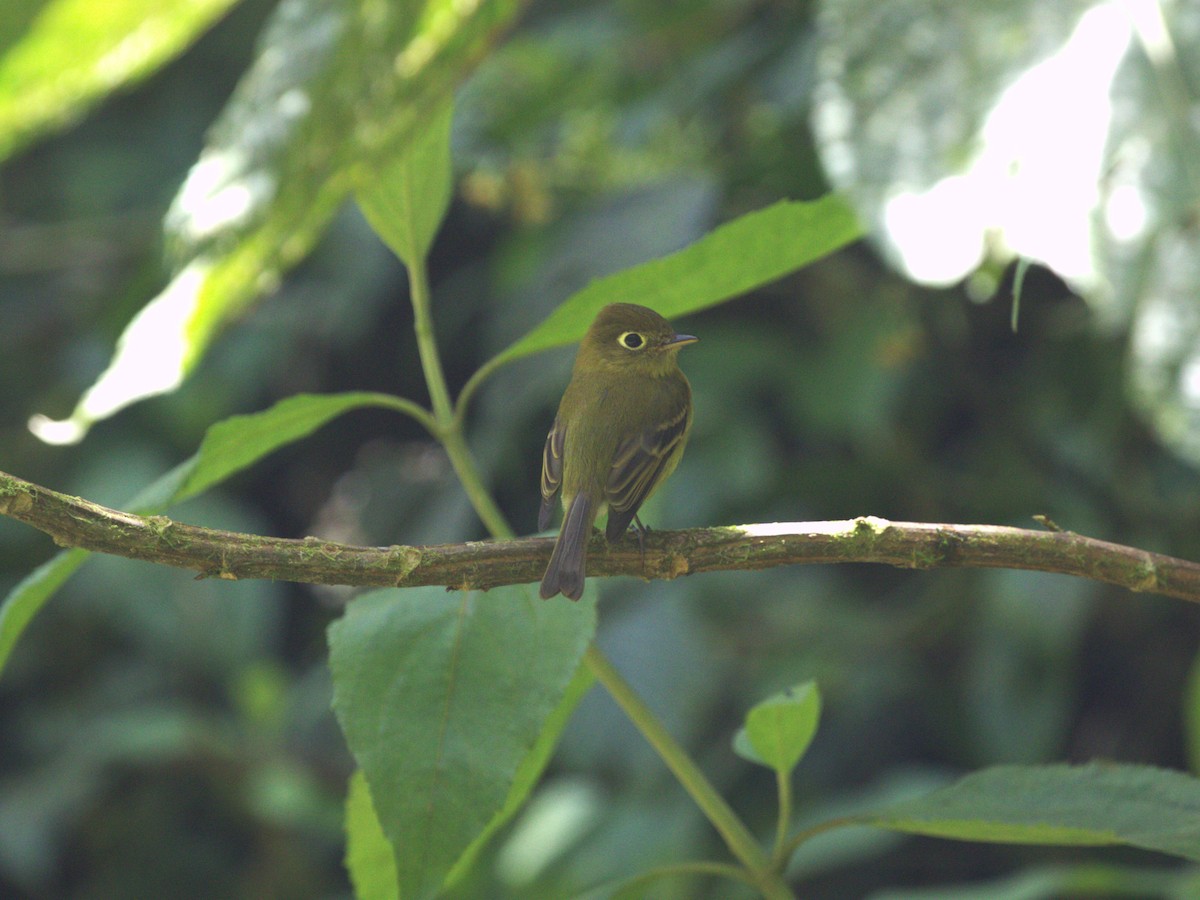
(739,256)
(71,53)
(338,90)
(1094,805)
(441,698)
(369,858)
(530,771)
(1191,717)
(1087,879)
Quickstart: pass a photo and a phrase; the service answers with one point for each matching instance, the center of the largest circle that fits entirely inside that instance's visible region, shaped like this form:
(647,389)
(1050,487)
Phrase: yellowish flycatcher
(619,432)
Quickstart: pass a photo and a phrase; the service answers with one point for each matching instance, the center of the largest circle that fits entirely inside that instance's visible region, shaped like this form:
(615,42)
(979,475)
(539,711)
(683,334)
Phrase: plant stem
(783,779)
(738,838)
(468,473)
(431,361)
(415,410)
(473,384)
(793,844)
(444,424)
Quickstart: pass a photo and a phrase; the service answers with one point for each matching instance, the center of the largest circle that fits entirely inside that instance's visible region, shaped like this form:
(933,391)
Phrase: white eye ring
(631,340)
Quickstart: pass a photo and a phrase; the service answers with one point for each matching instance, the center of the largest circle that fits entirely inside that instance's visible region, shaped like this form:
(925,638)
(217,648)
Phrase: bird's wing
(637,469)
(552,468)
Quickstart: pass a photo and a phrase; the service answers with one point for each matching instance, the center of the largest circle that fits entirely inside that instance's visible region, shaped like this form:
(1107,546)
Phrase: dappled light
(1029,179)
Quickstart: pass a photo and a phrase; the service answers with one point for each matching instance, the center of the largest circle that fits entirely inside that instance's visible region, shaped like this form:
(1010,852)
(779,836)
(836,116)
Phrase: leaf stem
(431,361)
(468,392)
(443,423)
(783,779)
(415,410)
(468,473)
(737,837)
(794,843)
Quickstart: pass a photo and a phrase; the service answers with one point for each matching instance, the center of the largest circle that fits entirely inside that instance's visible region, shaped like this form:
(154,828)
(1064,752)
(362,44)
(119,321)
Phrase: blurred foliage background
(162,736)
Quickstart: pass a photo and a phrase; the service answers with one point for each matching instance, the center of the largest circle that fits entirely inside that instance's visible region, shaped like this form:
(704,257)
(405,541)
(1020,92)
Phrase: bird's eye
(631,340)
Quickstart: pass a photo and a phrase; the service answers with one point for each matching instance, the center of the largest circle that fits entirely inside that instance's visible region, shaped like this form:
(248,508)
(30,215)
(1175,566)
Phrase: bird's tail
(565,573)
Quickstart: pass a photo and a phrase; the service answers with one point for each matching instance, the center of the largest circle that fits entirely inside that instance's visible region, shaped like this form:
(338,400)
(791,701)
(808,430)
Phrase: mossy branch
(74,522)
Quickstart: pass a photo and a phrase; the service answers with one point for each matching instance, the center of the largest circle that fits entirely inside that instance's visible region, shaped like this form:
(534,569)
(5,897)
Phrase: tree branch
(73,522)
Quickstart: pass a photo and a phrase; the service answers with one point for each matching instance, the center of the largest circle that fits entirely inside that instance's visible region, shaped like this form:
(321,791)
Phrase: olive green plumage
(619,433)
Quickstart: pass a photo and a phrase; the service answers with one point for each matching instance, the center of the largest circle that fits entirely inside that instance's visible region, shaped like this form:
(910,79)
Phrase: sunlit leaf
(369,857)
(73,53)
(441,698)
(944,133)
(947,135)
(737,257)
(1092,805)
(337,90)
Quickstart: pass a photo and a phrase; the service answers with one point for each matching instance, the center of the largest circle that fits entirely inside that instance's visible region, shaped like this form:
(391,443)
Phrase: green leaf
(737,257)
(779,729)
(1092,805)
(73,53)
(336,88)
(1087,879)
(369,858)
(240,441)
(406,199)
(31,593)
(531,768)
(441,698)
(228,447)
(1191,716)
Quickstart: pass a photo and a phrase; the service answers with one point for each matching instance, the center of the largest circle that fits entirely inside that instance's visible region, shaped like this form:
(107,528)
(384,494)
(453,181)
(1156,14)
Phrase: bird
(619,433)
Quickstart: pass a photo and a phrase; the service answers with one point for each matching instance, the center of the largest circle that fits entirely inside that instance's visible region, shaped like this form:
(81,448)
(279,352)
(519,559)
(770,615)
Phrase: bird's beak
(681,340)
